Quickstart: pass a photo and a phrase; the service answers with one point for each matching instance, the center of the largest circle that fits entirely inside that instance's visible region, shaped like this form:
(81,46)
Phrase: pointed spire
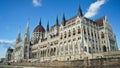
(57,23)
(40,22)
(48,26)
(18,39)
(27,27)
(26,35)
(19,34)
(79,11)
(63,20)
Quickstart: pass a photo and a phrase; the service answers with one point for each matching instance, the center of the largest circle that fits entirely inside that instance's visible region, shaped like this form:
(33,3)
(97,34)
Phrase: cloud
(36,3)
(93,8)
(7,43)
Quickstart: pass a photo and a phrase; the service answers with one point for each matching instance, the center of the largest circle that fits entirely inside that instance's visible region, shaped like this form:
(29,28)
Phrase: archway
(89,49)
(85,49)
(104,49)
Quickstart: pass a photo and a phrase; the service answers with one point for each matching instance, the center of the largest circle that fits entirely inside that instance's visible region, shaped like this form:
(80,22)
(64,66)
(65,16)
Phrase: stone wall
(87,63)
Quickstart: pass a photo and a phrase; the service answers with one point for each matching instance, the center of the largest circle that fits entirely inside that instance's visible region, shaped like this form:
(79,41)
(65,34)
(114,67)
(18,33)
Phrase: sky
(14,15)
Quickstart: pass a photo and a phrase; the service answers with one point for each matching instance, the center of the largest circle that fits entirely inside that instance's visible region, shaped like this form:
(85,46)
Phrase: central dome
(39,28)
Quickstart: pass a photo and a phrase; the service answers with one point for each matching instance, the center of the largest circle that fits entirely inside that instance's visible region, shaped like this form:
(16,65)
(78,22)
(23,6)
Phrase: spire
(105,18)
(27,27)
(57,23)
(40,22)
(63,20)
(26,35)
(48,26)
(79,11)
(18,39)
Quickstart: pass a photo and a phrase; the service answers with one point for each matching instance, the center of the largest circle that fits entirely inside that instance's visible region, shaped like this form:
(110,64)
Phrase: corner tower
(79,11)
(26,42)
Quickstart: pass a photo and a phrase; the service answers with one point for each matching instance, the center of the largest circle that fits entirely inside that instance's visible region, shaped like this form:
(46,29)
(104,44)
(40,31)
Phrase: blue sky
(14,15)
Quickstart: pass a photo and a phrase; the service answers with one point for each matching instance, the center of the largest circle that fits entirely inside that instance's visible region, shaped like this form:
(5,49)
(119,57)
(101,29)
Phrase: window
(65,34)
(79,38)
(95,35)
(78,29)
(84,30)
(88,31)
(92,34)
(89,50)
(93,50)
(61,36)
(69,33)
(102,35)
(85,49)
(73,31)
(104,48)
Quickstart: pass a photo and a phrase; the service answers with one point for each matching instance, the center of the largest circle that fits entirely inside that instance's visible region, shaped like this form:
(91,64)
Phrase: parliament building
(73,39)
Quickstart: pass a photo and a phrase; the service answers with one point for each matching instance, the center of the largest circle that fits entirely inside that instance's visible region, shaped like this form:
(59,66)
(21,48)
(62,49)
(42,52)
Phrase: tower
(63,20)
(18,39)
(26,42)
(47,26)
(80,12)
(57,23)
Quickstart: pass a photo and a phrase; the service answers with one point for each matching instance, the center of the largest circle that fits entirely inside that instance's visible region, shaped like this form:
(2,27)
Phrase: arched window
(73,31)
(85,49)
(102,35)
(61,36)
(92,33)
(95,34)
(54,49)
(42,53)
(84,30)
(78,29)
(93,50)
(88,31)
(65,34)
(66,49)
(89,50)
(69,33)
(104,49)
(48,52)
(52,52)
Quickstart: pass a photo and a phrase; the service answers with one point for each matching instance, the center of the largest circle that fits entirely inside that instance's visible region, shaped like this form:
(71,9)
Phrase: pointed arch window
(85,49)
(84,29)
(92,33)
(65,34)
(73,31)
(78,29)
(104,48)
(88,31)
(102,35)
(61,36)
(69,33)
(89,49)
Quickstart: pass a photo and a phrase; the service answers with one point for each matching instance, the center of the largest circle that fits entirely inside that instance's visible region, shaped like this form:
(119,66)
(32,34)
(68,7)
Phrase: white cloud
(93,8)
(7,43)
(36,3)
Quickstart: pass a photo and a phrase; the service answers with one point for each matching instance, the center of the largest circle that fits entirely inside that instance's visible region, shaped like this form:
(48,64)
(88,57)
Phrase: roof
(71,20)
(99,21)
(39,28)
(10,50)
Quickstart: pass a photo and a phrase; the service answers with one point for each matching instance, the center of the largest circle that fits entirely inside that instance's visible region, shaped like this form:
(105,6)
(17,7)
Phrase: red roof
(39,28)
(99,21)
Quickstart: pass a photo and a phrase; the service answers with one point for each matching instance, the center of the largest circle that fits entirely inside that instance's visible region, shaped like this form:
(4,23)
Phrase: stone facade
(74,39)
(21,48)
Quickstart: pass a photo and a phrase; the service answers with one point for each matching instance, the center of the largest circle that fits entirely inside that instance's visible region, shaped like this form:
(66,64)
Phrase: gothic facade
(73,39)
